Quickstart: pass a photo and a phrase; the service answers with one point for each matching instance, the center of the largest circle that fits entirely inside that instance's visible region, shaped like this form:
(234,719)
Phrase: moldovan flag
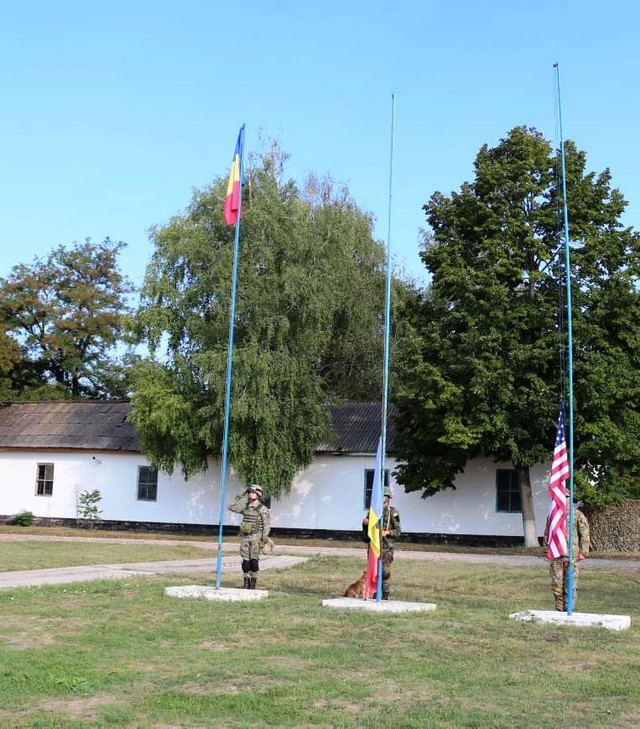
(232,200)
(557,525)
(373,530)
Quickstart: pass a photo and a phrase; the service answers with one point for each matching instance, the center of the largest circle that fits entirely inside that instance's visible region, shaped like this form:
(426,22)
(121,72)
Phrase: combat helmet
(387,492)
(255,488)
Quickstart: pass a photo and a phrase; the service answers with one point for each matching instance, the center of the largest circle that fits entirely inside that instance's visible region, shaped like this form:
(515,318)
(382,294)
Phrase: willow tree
(481,369)
(307,332)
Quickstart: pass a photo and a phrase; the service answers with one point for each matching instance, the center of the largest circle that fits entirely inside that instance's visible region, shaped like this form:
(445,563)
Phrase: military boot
(247,582)
(385,595)
(252,583)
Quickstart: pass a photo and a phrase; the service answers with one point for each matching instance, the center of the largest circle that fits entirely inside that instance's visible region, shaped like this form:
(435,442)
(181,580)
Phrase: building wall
(328,495)
(469,509)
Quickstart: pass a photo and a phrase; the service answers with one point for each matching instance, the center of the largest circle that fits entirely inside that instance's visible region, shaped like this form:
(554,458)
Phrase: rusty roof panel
(91,425)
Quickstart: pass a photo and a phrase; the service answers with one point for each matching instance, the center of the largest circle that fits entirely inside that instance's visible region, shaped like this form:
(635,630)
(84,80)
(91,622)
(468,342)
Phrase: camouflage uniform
(559,568)
(391,523)
(254,531)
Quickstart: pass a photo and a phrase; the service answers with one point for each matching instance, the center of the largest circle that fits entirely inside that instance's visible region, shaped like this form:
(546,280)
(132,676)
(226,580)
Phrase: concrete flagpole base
(222,594)
(384,606)
(580,620)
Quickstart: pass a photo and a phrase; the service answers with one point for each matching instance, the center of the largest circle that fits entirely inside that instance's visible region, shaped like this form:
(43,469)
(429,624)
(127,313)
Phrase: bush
(24,518)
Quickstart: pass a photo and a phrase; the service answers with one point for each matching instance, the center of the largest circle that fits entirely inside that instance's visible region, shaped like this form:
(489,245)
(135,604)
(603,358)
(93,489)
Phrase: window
(147,484)
(44,479)
(508,491)
(368,484)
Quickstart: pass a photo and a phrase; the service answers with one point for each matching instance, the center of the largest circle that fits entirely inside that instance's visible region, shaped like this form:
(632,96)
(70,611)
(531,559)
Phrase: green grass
(97,533)
(40,555)
(120,654)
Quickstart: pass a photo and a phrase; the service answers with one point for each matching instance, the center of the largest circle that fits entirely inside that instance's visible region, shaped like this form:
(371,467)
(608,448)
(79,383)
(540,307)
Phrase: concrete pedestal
(384,606)
(223,594)
(580,620)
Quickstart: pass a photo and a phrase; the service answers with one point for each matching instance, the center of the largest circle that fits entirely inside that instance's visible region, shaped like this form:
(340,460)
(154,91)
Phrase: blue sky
(111,114)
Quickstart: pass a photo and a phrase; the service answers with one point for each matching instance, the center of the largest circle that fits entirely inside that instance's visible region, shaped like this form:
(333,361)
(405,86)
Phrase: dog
(357,588)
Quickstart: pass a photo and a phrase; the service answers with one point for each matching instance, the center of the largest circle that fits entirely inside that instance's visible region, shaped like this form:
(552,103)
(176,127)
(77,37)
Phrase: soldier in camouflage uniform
(559,567)
(390,526)
(254,531)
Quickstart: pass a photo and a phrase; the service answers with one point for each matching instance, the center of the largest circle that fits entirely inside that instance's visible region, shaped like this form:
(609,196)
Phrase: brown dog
(357,588)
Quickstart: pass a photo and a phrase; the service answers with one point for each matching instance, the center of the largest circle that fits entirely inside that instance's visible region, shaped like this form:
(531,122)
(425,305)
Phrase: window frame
(369,474)
(147,484)
(42,481)
(510,491)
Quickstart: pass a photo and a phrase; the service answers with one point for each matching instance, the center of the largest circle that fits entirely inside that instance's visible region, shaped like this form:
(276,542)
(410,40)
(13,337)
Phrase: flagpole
(227,399)
(387,327)
(567,254)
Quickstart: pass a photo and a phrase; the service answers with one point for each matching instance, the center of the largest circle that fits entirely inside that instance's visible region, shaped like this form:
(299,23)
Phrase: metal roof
(357,427)
(90,425)
(84,425)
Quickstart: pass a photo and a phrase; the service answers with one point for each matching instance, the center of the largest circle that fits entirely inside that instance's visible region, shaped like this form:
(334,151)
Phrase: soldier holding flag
(556,530)
(559,567)
(389,530)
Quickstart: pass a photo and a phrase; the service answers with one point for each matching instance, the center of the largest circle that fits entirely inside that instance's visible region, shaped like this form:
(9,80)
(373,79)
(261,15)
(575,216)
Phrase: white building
(52,451)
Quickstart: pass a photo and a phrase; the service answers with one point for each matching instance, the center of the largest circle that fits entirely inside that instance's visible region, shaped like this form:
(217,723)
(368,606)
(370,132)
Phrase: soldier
(390,526)
(559,567)
(254,531)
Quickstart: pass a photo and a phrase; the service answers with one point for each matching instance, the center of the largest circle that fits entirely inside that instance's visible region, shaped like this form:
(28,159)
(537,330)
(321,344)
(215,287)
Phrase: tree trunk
(528,514)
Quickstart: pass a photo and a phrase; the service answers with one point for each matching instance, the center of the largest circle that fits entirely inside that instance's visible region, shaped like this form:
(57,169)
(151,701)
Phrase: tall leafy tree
(308,329)
(68,314)
(481,373)
(10,356)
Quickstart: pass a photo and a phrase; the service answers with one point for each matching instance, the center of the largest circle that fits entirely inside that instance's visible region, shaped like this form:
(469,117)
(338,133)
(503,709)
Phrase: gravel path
(131,570)
(231,545)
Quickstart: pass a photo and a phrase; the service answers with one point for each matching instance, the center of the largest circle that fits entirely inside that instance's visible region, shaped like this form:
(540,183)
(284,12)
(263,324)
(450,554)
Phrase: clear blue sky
(111,114)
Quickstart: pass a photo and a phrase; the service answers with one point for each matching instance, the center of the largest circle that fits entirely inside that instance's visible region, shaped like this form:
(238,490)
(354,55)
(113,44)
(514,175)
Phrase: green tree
(308,326)
(10,357)
(88,506)
(68,315)
(481,373)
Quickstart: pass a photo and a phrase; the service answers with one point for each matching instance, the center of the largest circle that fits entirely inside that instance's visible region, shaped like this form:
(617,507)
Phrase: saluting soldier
(254,530)
(390,530)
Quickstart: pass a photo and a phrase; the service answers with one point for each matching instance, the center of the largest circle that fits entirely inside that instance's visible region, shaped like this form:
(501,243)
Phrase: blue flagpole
(227,399)
(567,254)
(387,327)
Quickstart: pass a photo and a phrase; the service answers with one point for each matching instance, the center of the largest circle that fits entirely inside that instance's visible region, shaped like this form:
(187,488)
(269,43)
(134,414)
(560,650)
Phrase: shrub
(24,518)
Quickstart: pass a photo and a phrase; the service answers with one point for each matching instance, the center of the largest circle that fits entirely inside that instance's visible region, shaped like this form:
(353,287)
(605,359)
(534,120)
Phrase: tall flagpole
(387,327)
(227,399)
(567,254)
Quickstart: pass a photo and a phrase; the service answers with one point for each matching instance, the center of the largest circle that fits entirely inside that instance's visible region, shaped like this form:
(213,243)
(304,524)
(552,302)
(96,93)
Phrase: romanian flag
(234,186)
(373,530)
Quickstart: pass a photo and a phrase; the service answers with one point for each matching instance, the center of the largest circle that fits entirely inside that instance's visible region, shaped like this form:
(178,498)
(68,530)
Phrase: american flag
(557,525)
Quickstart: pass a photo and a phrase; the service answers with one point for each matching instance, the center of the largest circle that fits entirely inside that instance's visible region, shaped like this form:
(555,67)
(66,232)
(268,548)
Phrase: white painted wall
(327,495)
(195,501)
(469,509)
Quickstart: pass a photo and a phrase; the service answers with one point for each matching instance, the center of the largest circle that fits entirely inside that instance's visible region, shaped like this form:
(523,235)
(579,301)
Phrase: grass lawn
(40,555)
(120,654)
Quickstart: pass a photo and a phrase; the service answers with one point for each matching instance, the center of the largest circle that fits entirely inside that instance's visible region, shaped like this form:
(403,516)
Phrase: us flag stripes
(557,529)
